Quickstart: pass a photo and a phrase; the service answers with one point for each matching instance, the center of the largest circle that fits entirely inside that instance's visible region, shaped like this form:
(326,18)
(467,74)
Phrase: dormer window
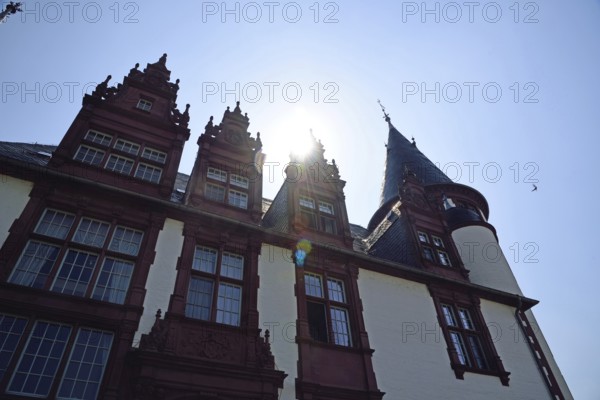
(89,155)
(154,155)
(321,219)
(122,157)
(433,249)
(234,188)
(98,137)
(217,174)
(144,105)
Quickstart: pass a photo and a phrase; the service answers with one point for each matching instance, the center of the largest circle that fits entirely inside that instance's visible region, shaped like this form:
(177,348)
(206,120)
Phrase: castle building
(122,278)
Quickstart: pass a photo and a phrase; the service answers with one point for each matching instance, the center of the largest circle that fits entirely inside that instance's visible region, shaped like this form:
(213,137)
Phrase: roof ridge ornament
(386,116)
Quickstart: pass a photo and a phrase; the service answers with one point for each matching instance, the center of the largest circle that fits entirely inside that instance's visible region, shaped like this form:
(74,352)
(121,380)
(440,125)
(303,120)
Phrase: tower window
(444,259)
(89,155)
(154,155)
(148,173)
(127,147)
(238,199)
(238,180)
(217,174)
(144,105)
(423,237)
(428,254)
(437,241)
(97,137)
(119,164)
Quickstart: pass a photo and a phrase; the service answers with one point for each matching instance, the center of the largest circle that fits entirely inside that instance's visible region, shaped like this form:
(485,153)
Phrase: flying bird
(534,188)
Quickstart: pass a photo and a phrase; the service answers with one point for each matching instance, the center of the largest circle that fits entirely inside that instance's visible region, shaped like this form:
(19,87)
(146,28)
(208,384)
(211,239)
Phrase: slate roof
(391,240)
(32,153)
(403,154)
(276,217)
(384,242)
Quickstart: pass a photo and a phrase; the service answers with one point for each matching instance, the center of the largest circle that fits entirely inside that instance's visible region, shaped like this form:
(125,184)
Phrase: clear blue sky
(544,57)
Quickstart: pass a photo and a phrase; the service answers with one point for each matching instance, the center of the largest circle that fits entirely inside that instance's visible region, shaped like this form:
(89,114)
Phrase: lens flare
(303,249)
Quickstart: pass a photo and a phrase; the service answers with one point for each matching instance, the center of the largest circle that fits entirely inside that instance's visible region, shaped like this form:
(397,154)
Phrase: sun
(294,134)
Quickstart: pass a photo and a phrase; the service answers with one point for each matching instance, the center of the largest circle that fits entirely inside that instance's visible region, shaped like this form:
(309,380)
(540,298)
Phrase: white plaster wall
(161,278)
(481,254)
(278,311)
(549,356)
(411,360)
(15,195)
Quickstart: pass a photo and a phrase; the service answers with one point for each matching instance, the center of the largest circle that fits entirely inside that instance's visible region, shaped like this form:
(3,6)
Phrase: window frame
(446,299)
(318,214)
(334,335)
(62,361)
(433,244)
(144,105)
(219,278)
(236,188)
(135,155)
(29,271)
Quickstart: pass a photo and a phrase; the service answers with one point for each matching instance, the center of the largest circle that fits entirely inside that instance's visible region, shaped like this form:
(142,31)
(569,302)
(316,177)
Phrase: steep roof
(402,155)
(40,154)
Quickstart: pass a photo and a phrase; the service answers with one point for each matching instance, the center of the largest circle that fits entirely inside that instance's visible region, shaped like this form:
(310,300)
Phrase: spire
(403,155)
(386,116)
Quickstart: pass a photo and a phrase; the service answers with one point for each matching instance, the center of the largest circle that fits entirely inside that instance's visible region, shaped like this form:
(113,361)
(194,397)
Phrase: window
(127,147)
(84,257)
(216,191)
(238,180)
(154,155)
(220,270)
(238,199)
(428,253)
(436,253)
(98,137)
(148,173)
(217,174)
(444,259)
(437,241)
(11,329)
(144,105)
(322,303)
(465,337)
(321,219)
(119,164)
(89,155)
(40,364)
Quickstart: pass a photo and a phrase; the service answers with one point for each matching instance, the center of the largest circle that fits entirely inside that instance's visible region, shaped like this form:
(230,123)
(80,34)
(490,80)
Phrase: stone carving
(156,340)
(210,344)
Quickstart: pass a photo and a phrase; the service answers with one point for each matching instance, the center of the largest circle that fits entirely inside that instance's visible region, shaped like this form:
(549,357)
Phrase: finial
(386,116)
(257,135)
(137,65)
(108,78)
(413,142)
(163,59)
(177,81)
